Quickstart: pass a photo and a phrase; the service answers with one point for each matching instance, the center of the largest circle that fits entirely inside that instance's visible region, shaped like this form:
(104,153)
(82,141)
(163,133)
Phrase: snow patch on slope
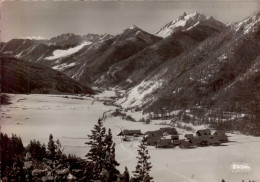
(136,95)
(63,53)
(34,38)
(222,58)
(63,66)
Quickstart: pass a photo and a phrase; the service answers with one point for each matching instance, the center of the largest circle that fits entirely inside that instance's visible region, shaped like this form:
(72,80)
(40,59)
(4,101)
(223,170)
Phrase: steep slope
(19,76)
(132,70)
(186,22)
(220,73)
(2,44)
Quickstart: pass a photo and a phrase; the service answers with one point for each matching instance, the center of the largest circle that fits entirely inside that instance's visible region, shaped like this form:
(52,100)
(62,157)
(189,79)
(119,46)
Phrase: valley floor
(71,118)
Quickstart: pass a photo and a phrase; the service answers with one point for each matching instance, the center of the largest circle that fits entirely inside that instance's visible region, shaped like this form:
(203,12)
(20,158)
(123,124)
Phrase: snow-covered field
(71,118)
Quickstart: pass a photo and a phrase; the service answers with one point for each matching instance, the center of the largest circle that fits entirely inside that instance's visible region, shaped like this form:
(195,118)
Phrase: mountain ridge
(18,76)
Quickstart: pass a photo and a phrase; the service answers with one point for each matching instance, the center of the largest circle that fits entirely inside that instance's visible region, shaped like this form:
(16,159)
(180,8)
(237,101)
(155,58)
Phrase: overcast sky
(49,18)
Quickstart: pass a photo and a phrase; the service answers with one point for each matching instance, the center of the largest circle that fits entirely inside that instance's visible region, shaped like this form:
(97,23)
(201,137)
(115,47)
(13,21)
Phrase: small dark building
(221,136)
(164,143)
(196,141)
(186,145)
(177,142)
(219,132)
(130,133)
(175,137)
(155,133)
(203,132)
(152,137)
(152,133)
(189,136)
(205,140)
(213,141)
(169,130)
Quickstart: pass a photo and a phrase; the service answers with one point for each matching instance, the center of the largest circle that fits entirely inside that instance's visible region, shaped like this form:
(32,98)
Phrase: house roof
(130,132)
(153,132)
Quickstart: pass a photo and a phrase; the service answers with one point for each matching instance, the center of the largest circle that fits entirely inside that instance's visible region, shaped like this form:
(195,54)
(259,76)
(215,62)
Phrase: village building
(188,136)
(203,132)
(177,142)
(213,141)
(175,137)
(169,130)
(205,140)
(221,136)
(130,133)
(186,145)
(196,141)
(165,143)
(152,137)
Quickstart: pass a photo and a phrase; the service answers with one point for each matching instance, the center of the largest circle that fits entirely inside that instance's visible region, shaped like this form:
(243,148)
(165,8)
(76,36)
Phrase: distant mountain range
(194,61)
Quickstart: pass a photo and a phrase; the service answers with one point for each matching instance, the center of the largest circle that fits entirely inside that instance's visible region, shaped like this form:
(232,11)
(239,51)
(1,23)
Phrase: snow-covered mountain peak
(133,33)
(133,28)
(186,22)
(250,24)
(130,32)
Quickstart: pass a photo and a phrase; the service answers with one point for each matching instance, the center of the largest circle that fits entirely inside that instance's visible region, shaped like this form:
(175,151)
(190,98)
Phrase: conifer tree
(37,150)
(97,154)
(58,150)
(101,156)
(111,162)
(126,176)
(51,147)
(143,166)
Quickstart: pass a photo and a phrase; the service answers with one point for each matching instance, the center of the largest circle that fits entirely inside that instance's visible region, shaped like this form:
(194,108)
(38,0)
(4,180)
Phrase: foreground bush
(4,99)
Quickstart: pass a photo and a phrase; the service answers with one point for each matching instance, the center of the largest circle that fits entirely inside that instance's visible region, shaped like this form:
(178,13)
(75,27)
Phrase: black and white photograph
(130,90)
